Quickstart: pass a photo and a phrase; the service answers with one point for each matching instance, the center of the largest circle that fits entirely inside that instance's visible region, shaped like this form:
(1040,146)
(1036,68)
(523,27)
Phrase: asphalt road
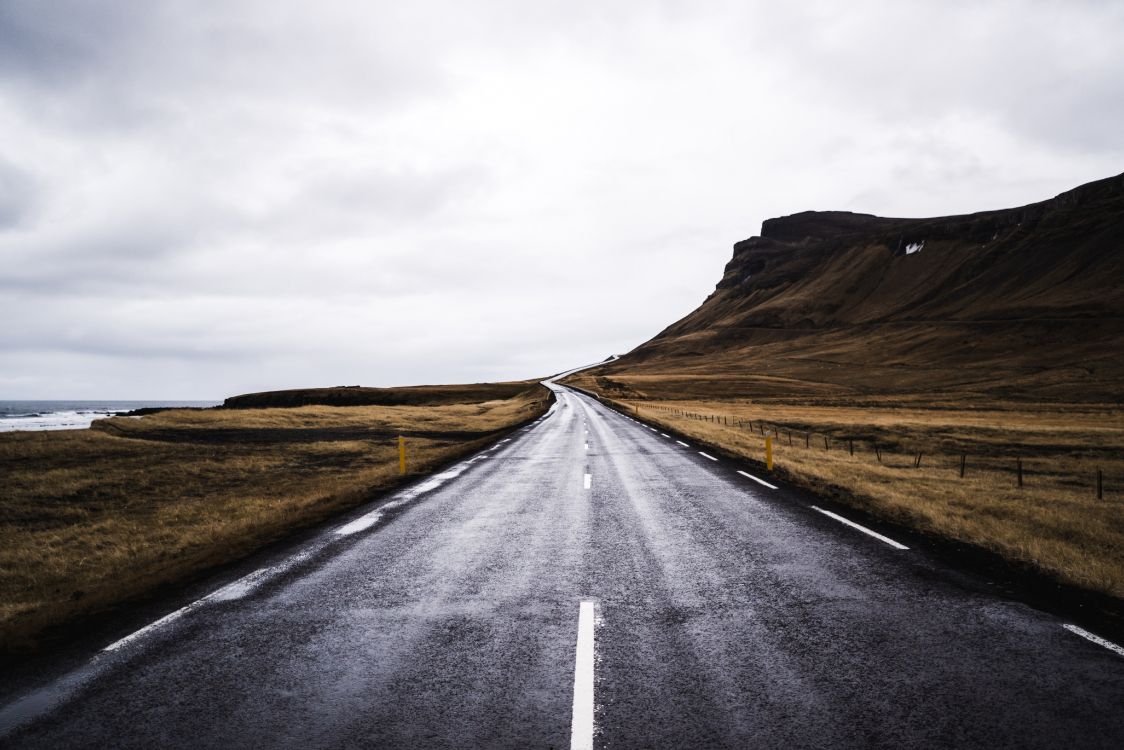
(590,581)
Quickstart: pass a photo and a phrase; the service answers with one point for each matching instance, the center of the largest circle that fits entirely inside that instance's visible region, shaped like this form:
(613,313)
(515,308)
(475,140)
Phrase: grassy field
(1054,522)
(92,518)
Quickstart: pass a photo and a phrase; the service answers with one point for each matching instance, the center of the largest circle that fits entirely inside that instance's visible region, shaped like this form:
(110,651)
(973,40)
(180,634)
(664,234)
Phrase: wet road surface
(590,581)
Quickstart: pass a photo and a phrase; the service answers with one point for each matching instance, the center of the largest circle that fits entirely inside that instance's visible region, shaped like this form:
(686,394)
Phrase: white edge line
(581,723)
(362,523)
(757,479)
(368,520)
(707,455)
(171,617)
(863,529)
(241,587)
(1095,639)
(234,590)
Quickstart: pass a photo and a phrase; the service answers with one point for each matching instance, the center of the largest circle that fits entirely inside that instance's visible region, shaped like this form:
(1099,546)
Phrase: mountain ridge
(1025,292)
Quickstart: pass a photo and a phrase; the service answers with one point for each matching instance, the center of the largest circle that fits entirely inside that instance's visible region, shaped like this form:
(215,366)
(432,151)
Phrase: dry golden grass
(482,416)
(1054,522)
(90,518)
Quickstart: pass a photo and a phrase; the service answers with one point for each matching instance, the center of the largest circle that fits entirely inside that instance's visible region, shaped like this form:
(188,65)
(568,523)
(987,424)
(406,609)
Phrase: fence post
(1019,469)
(401,455)
(769,453)
(878,453)
(807,439)
(825,446)
(1100,485)
(963,459)
(851,446)
(917,463)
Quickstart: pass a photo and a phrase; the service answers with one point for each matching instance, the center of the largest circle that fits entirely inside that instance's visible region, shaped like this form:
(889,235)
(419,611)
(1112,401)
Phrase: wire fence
(1080,468)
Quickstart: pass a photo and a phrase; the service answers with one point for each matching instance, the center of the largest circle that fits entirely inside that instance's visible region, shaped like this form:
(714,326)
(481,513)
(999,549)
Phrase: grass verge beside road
(92,518)
(1054,522)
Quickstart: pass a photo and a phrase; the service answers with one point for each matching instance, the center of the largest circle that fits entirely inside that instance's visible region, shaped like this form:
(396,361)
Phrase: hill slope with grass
(1021,302)
(959,375)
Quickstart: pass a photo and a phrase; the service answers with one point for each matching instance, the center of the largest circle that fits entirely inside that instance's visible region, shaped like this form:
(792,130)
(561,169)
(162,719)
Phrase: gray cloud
(1045,70)
(18,194)
(203,198)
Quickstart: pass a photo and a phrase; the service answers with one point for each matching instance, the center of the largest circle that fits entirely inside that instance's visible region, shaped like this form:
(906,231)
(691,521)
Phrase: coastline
(35,416)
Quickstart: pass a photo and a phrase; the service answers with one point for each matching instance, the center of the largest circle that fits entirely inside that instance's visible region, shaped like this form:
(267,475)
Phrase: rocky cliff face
(1061,257)
(1038,287)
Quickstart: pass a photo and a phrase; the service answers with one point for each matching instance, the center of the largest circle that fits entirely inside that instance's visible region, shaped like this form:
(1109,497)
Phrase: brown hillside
(1017,303)
(354,395)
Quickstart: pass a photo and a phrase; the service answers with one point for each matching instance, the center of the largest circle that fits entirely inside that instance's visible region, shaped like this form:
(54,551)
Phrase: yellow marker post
(401,455)
(769,453)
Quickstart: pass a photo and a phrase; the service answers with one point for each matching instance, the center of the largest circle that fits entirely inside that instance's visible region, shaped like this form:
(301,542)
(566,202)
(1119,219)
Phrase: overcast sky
(199,199)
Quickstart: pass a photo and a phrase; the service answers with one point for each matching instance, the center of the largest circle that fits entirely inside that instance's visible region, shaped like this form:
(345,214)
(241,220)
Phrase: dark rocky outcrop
(1015,295)
(421,395)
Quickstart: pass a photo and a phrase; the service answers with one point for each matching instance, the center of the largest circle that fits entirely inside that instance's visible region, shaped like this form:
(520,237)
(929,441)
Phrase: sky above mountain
(204,198)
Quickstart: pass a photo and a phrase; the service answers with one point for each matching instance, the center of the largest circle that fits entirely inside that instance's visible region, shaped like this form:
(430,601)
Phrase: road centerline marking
(863,529)
(1118,650)
(581,723)
(707,455)
(682,443)
(588,480)
(757,479)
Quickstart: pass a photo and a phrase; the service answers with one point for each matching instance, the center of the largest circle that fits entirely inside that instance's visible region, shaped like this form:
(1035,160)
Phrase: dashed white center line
(707,455)
(581,725)
(666,435)
(1095,639)
(682,443)
(587,446)
(863,529)
(588,480)
(758,480)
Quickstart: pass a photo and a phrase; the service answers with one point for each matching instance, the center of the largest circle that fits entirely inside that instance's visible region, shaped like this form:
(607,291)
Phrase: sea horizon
(77,414)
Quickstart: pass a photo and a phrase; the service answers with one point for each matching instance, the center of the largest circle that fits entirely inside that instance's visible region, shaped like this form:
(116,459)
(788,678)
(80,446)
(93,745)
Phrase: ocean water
(71,415)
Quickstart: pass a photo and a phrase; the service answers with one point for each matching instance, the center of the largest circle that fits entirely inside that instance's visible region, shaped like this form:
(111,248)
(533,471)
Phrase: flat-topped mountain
(1020,302)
